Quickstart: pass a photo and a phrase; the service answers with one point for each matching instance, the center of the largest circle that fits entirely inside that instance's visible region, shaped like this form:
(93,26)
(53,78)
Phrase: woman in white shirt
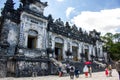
(85,70)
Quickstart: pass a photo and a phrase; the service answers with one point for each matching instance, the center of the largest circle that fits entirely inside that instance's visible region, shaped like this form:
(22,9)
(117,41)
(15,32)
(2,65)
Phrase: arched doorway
(75,51)
(32,39)
(59,44)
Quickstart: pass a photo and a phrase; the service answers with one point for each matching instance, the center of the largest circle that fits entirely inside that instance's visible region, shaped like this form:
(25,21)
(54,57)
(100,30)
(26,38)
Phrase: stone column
(53,44)
(21,34)
(101,51)
(79,51)
(93,50)
(64,49)
(26,39)
(89,54)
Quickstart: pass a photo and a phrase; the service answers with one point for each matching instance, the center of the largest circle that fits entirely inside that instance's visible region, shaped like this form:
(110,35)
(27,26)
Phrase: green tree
(108,39)
(116,37)
(115,51)
(112,41)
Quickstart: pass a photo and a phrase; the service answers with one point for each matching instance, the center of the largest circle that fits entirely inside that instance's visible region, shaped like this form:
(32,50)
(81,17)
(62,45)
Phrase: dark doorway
(86,55)
(58,51)
(75,53)
(31,42)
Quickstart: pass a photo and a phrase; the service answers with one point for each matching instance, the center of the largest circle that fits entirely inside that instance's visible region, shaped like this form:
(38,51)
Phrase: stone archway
(75,51)
(59,44)
(32,39)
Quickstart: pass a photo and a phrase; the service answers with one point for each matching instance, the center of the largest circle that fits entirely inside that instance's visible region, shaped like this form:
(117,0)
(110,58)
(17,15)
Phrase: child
(106,72)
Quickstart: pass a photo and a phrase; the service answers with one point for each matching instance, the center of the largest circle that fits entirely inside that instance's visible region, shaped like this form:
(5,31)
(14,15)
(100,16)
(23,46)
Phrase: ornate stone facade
(28,39)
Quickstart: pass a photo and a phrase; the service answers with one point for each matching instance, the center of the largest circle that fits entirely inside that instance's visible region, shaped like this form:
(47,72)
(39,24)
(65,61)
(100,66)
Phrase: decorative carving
(50,41)
(74,28)
(74,44)
(8,12)
(80,30)
(67,25)
(50,19)
(33,33)
(59,22)
(59,40)
(21,38)
(67,31)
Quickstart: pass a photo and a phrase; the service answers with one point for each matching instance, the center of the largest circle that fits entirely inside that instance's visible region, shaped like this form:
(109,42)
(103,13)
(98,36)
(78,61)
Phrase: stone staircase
(100,64)
(57,64)
(96,66)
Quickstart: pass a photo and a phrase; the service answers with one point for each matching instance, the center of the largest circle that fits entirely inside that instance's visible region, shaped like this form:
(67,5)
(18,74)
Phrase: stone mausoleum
(28,40)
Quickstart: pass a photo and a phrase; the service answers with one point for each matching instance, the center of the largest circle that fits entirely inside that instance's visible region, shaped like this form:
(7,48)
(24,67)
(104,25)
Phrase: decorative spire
(80,30)
(74,27)
(67,25)
(50,19)
(10,4)
(9,7)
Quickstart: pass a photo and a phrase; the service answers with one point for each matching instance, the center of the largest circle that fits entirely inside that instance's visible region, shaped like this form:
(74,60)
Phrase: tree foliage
(113,42)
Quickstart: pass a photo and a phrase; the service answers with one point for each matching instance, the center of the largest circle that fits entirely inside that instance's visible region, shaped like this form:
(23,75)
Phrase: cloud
(69,11)
(60,0)
(103,21)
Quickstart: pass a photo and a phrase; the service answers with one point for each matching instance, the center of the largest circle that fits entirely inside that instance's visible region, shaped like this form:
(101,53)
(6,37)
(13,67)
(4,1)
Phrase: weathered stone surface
(29,39)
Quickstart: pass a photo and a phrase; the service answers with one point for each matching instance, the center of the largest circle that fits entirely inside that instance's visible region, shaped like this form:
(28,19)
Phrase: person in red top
(106,72)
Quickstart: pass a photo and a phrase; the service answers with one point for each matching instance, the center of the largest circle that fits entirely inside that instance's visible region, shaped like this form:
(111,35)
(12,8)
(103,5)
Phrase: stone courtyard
(96,76)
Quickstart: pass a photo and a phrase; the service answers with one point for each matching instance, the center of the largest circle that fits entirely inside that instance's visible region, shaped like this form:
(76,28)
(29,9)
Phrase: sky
(101,15)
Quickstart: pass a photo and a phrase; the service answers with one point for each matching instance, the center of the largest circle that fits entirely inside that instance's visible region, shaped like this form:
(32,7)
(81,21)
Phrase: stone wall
(8,42)
(3,71)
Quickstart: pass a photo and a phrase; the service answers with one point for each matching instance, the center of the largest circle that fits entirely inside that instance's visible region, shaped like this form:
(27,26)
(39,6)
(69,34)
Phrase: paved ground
(96,76)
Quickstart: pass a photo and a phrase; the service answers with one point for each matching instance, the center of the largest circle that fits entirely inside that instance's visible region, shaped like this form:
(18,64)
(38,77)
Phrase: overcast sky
(102,15)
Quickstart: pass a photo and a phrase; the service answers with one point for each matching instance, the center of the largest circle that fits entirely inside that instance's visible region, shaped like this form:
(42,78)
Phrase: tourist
(85,70)
(77,72)
(90,70)
(118,67)
(68,68)
(106,71)
(72,70)
(60,71)
(110,70)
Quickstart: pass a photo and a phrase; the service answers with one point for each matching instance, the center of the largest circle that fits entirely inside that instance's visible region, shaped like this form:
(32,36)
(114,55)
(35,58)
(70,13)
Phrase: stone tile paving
(95,76)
